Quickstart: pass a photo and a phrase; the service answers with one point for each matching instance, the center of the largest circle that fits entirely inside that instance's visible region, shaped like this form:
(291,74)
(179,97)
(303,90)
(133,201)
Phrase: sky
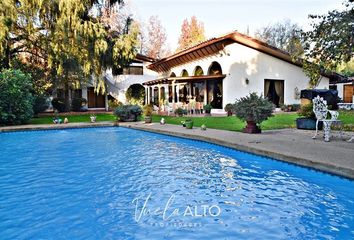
(223,16)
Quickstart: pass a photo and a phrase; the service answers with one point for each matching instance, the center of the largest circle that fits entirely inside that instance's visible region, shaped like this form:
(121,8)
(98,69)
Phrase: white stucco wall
(241,62)
(118,85)
(340,89)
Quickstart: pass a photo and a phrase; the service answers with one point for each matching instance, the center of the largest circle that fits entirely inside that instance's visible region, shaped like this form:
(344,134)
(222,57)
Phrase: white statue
(162,122)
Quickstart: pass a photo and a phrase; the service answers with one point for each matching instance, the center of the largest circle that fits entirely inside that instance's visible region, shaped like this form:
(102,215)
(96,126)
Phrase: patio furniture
(321,111)
(198,107)
(169,109)
(156,109)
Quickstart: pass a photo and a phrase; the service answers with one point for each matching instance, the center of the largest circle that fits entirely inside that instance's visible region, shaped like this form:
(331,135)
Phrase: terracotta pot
(251,127)
(148,119)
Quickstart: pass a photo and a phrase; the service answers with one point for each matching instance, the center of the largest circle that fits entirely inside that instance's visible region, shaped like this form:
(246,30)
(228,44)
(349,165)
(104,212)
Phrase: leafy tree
(16,100)
(347,69)
(283,35)
(40,104)
(135,94)
(68,39)
(330,43)
(154,40)
(191,33)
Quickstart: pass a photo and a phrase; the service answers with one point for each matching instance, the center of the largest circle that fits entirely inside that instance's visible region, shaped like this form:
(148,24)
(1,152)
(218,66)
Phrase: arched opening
(198,71)
(173,74)
(214,86)
(184,73)
(215,69)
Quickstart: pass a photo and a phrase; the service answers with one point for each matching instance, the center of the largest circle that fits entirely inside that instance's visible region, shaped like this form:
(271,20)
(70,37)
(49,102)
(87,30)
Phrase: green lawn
(279,121)
(233,123)
(74,118)
(282,120)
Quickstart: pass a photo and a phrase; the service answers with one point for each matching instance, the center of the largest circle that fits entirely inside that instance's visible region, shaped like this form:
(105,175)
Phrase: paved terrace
(290,145)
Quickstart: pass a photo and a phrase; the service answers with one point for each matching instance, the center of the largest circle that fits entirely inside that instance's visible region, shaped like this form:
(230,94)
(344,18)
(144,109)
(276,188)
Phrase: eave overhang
(183,79)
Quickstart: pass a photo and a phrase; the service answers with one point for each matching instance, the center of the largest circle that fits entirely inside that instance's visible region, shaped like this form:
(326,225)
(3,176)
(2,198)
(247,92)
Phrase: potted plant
(207,109)
(189,123)
(307,119)
(229,109)
(128,113)
(147,111)
(253,109)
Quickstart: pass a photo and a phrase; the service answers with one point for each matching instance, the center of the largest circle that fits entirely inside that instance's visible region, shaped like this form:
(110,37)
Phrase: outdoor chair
(321,111)
(169,109)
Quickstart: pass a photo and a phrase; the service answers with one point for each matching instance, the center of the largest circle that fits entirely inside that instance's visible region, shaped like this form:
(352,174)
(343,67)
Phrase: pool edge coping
(38,127)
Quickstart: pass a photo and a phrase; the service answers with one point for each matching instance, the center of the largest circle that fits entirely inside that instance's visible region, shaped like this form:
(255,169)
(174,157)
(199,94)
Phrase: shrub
(207,108)
(77,104)
(147,110)
(59,104)
(16,99)
(295,107)
(128,113)
(180,112)
(290,107)
(113,104)
(253,108)
(135,94)
(40,104)
(306,111)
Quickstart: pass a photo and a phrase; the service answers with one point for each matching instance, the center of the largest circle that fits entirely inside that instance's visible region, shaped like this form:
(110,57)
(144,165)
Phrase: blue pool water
(117,183)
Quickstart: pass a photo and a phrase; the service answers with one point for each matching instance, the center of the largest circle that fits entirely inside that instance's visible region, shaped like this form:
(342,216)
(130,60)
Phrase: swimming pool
(118,183)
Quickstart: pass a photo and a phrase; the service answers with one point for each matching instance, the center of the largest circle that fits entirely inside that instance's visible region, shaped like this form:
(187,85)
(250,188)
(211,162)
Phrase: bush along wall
(16,99)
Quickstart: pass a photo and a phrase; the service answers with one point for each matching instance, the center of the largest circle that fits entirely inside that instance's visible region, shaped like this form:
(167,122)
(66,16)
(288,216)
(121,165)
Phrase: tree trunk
(67,96)
(5,63)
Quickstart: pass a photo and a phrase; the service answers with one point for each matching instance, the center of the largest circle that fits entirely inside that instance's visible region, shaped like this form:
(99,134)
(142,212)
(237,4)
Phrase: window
(274,91)
(215,69)
(133,70)
(184,73)
(198,71)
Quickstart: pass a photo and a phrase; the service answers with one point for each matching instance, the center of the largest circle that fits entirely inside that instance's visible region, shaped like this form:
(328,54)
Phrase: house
(344,86)
(222,69)
(117,84)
